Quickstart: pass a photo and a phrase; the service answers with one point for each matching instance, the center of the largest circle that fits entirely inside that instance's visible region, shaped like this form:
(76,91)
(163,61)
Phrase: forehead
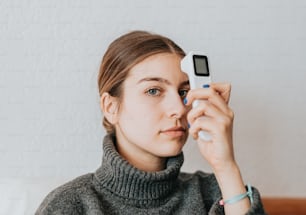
(163,65)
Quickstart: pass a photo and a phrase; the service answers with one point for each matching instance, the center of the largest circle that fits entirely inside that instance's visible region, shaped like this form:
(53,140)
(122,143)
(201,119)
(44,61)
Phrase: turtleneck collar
(122,179)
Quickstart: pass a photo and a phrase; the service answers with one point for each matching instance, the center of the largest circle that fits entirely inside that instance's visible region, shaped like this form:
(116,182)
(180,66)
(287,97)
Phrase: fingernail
(206,86)
(185,101)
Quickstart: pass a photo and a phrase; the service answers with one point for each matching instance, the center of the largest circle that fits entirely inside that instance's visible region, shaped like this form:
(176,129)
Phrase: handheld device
(195,64)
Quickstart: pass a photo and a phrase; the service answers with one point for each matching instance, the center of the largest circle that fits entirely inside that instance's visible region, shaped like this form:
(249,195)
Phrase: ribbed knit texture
(119,188)
(136,186)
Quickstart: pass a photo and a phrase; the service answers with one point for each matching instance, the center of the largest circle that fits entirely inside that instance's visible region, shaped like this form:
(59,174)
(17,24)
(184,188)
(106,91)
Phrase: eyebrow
(162,80)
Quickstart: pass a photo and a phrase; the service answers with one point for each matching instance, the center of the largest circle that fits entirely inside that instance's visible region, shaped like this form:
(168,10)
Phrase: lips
(176,128)
(177,131)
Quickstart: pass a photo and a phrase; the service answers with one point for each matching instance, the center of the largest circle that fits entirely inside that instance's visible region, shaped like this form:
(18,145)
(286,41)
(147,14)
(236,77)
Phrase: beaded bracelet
(237,198)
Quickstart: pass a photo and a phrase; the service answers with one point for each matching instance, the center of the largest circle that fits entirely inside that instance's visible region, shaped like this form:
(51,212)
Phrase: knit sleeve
(67,198)
(256,207)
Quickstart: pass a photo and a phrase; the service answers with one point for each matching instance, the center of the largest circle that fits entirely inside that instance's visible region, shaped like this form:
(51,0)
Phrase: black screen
(200,65)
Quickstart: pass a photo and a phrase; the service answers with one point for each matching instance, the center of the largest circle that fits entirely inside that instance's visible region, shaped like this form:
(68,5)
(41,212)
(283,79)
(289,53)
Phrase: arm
(219,150)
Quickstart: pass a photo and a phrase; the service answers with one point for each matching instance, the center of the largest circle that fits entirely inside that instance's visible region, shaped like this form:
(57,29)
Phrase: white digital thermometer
(195,64)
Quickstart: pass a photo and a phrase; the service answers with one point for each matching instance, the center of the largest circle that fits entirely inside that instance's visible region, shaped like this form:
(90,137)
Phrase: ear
(109,107)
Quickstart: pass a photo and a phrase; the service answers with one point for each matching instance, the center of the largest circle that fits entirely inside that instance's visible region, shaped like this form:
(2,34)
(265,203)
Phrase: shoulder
(66,199)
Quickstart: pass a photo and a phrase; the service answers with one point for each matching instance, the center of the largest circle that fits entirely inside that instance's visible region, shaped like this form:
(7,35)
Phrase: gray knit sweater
(119,188)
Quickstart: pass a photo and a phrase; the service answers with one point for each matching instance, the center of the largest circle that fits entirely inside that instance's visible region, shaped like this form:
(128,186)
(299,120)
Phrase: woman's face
(152,116)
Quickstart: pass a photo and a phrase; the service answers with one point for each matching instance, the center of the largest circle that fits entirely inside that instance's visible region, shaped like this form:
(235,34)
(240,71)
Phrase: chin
(171,152)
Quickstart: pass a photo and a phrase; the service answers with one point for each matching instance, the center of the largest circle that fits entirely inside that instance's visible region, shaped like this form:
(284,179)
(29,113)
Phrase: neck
(136,187)
(140,159)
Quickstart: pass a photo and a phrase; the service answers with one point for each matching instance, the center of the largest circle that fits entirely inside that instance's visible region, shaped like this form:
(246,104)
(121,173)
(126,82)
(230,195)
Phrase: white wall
(50,51)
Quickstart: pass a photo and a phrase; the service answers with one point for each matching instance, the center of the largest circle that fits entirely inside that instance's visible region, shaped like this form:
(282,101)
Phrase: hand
(218,122)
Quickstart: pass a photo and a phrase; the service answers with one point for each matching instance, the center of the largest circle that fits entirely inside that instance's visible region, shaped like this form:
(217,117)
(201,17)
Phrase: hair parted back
(124,53)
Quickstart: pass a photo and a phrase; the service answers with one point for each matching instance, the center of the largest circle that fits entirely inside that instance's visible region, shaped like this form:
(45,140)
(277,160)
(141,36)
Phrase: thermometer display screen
(200,63)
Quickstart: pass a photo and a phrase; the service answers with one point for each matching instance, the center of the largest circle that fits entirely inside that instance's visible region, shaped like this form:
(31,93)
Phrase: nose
(175,107)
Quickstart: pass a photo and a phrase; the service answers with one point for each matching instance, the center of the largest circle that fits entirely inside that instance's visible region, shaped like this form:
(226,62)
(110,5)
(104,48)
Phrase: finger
(196,112)
(204,108)
(218,102)
(201,124)
(224,90)
(211,95)
(219,130)
(219,121)
(199,94)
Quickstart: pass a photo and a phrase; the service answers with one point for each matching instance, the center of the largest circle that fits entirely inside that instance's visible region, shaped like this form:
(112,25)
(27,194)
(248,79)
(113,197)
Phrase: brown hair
(124,53)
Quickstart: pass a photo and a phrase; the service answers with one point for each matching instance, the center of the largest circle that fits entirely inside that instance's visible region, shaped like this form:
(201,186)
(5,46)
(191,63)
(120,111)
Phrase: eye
(183,92)
(153,92)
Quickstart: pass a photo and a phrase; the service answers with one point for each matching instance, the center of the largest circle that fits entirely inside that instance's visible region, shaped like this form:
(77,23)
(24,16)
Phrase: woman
(146,102)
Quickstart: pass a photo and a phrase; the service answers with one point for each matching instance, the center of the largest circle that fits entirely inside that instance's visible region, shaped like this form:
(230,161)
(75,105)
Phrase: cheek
(141,114)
